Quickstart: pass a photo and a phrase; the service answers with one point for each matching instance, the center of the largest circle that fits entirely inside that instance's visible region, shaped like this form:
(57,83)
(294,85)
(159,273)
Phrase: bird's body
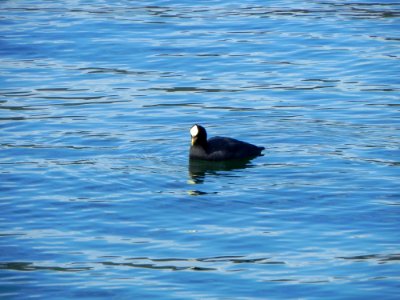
(219,148)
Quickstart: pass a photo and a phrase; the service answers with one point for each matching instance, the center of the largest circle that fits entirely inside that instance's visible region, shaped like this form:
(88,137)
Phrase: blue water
(98,200)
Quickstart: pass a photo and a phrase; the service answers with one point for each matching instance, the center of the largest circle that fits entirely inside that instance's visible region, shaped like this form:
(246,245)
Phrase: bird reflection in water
(199,169)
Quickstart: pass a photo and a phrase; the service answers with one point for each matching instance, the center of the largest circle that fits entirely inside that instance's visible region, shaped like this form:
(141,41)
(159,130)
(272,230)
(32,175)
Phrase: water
(98,199)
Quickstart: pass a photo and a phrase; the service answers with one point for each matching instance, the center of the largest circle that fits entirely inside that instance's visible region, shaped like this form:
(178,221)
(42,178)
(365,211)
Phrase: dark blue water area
(99,199)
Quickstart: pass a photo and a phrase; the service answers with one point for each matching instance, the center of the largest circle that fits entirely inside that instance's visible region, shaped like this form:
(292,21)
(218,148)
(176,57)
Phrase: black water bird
(219,148)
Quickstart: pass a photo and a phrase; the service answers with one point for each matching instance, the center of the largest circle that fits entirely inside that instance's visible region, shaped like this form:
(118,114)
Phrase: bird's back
(222,148)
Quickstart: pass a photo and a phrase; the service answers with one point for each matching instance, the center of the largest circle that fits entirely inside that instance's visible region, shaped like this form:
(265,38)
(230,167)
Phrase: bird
(219,148)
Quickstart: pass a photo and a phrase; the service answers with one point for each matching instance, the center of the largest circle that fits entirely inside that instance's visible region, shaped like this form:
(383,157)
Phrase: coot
(219,148)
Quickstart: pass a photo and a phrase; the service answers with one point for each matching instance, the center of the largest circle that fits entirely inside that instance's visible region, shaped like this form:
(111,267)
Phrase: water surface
(99,200)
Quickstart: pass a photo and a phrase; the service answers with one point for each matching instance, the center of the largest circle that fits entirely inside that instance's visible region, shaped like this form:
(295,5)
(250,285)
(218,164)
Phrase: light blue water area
(99,200)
